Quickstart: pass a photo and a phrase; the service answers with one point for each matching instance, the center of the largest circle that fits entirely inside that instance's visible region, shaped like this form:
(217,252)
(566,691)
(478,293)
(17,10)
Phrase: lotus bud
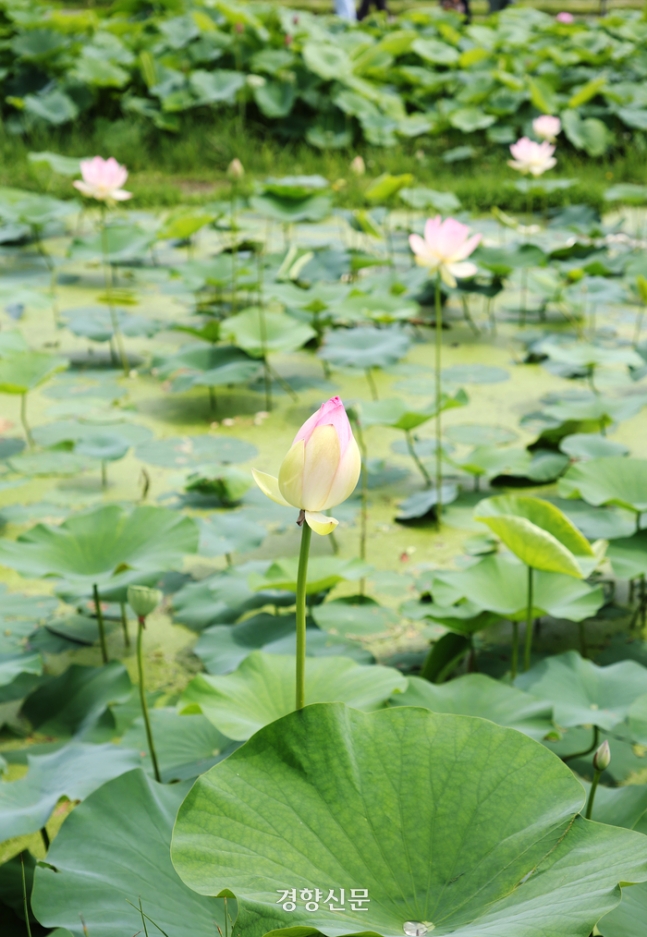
(235,170)
(239,27)
(357,166)
(321,469)
(565,17)
(288,40)
(602,757)
(143,600)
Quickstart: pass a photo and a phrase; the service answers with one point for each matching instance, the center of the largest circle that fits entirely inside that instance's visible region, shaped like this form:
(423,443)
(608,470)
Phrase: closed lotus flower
(321,469)
(547,127)
(445,249)
(531,157)
(103,179)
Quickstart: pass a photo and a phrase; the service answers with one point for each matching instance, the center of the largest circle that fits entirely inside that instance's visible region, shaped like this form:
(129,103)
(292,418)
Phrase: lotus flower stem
(601,761)
(468,315)
(102,630)
(591,799)
(414,455)
(141,623)
(587,751)
(439,350)
(363,517)
(124,623)
(25,901)
(23,420)
(529,623)
(582,634)
(371,384)
(514,660)
(107,271)
(104,474)
(302,580)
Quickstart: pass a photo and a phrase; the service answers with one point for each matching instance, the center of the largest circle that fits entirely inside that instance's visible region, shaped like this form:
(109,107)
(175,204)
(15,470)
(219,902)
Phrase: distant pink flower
(547,128)
(5,425)
(565,18)
(445,248)
(103,180)
(531,157)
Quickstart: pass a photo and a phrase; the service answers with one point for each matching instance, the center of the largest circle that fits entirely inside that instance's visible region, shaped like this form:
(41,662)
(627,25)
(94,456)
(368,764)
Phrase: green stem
(107,274)
(594,787)
(529,623)
(414,455)
(23,420)
(363,519)
(514,660)
(124,623)
(25,902)
(104,474)
(439,347)
(302,579)
(582,633)
(141,621)
(102,630)
(371,384)
(587,751)
(44,835)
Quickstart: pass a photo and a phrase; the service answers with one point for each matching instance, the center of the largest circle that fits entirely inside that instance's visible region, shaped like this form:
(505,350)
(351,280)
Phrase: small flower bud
(235,170)
(288,40)
(239,27)
(602,757)
(143,600)
(357,166)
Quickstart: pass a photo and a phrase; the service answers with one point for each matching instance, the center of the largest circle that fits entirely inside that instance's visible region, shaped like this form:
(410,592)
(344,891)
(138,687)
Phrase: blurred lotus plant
(143,601)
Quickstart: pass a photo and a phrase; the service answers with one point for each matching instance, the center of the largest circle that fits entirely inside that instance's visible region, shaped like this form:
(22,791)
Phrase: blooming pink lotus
(531,157)
(103,180)
(320,470)
(547,127)
(445,248)
(565,17)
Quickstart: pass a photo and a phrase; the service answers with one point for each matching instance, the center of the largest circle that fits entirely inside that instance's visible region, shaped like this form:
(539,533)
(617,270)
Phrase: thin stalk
(594,787)
(107,273)
(439,348)
(514,659)
(52,273)
(282,382)
(371,383)
(229,559)
(23,420)
(44,835)
(529,623)
(363,518)
(102,630)
(639,324)
(213,403)
(468,316)
(234,248)
(302,579)
(104,474)
(582,633)
(587,751)
(141,622)
(124,623)
(643,600)
(414,455)
(25,902)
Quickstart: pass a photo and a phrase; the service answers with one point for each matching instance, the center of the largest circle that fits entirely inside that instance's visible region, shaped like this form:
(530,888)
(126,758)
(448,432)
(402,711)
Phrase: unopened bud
(239,27)
(143,600)
(602,757)
(235,170)
(288,40)
(357,166)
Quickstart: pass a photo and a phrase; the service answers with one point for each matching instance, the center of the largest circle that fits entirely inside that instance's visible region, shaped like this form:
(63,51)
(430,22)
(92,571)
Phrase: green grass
(190,167)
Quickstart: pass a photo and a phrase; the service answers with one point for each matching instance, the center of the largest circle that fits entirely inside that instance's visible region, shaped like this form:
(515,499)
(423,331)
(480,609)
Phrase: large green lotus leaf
(354,616)
(193,451)
(113,851)
(258,332)
(224,598)
(386,186)
(93,545)
(628,556)
(628,919)
(327,60)
(324,572)
(583,693)
(638,719)
(123,243)
(72,703)
(291,211)
(500,584)
(477,695)
(75,430)
(106,447)
(435,51)
(96,324)
(186,746)
(25,370)
(585,446)
(487,841)
(73,771)
(365,347)
(202,365)
(52,462)
(376,306)
(614,480)
(396,413)
(263,688)
(479,434)
(218,86)
(537,532)
(229,533)
(12,665)
(584,355)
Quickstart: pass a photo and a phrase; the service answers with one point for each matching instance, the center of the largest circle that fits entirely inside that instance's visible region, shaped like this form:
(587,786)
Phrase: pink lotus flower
(5,425)
(320,470)
(547,128)
(103,180)
(565,17)
(531,157)
(444,249)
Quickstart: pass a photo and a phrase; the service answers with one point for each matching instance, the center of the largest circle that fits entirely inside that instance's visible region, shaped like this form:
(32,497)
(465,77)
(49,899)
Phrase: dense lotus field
(423,74)
(472,756)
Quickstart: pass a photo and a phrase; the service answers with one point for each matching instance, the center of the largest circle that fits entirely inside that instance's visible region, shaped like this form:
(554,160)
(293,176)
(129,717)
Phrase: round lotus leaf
(613,480)
(355,615)
(108,447)
(365,347)
(487,840)
(584,446)
(263,689)
(193,451)
(49,462)
(479,434)
(95,863)
(475,374)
